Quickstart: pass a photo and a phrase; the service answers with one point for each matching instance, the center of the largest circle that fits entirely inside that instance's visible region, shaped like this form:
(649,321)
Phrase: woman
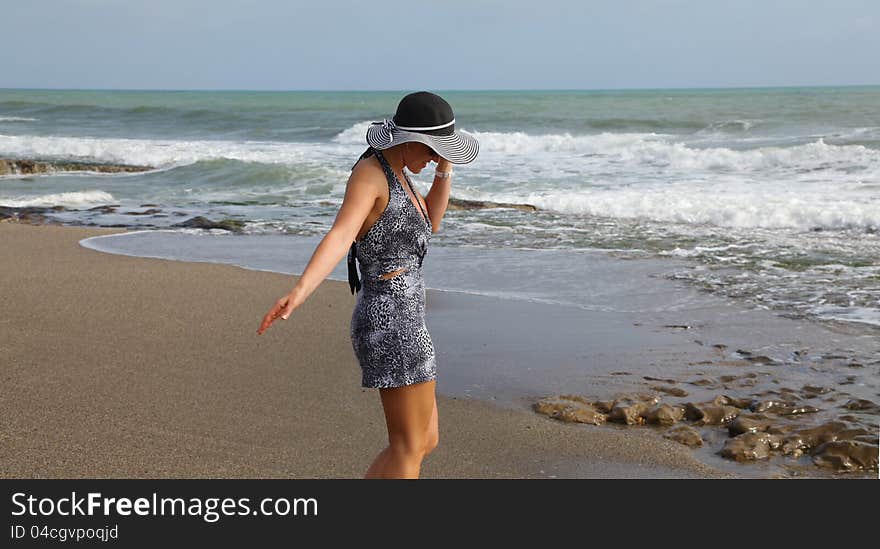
(391,225)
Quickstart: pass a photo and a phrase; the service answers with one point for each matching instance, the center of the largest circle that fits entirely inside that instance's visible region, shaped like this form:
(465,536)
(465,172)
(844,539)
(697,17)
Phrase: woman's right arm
(361,193)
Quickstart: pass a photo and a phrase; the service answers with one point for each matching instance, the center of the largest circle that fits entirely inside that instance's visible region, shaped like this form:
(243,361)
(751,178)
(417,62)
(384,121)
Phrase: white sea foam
(521,153)
(148,152)
(759,208)
(660,151)
(354,135)
(622,175)
(17,119)
(71,199)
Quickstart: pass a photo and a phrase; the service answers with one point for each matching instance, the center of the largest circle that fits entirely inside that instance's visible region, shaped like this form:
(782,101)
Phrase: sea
(769,197)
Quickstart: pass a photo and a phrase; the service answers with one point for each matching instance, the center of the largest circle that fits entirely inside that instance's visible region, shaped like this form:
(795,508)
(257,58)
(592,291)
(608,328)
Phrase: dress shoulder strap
(366,154)
(415,194)
(389,173)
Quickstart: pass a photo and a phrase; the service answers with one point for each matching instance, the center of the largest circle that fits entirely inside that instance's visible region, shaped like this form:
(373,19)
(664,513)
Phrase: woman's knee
(409,447)
(431,442)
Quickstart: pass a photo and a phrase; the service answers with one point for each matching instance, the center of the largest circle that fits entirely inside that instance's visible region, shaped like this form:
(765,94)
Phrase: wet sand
(124,367)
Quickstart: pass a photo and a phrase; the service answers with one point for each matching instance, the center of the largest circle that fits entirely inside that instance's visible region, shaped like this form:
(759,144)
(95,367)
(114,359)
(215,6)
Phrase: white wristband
(443,175)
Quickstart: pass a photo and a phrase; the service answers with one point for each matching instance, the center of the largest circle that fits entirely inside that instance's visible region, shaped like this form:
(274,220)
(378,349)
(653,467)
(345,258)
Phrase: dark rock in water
(795,410)
(724,400)
(674,391)
(804,439)
(632,409)
(569,408)
(748,423)
(760,359)
(664,380)
(664,414)
(765,405)
(751,446)
(810,391)
(684,434)
(31,215)
(861,404)
(151,211)
(846,455)
(148,206)
(104,209)
(461,204)
(200,222)
(782,408)
(710,413)
(12,166)
(702,382)
(604,406)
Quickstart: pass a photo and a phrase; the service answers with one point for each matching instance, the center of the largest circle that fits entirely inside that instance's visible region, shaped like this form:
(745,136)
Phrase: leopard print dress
(388,331)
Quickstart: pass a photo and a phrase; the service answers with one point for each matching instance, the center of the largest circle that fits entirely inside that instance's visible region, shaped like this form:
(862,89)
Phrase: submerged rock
(804,439)
(632,409)
(751,446)
(674,391)
(812,391)
(748,423)
(862,405)
(32,215)
(710,413)
(664,414)
(569,408)
(603,406)
(199,222)
(11,166)
(461,204)
(846,455)
(741,403)
(782,407)
(104,209)
(684,434)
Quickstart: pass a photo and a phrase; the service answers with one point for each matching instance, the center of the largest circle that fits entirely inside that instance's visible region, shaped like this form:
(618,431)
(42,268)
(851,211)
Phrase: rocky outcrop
(461,204)
(31,215)
(11,166)
(571,409)
(199,222)
(846,455)
(758,429)
(751,446)
(684,434)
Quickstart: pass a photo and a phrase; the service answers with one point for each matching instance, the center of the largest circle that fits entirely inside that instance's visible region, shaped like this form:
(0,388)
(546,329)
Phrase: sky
(444,45)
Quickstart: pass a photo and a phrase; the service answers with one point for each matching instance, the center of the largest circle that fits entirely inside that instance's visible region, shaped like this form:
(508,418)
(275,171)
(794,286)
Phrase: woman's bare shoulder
(367,179)
(368,173)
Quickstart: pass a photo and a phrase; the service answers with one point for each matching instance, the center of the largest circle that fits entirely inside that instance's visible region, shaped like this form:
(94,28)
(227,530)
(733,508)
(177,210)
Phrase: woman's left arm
(437,199)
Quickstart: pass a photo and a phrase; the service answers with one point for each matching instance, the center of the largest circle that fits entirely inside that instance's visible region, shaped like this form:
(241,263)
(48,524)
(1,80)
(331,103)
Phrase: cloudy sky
(448,44)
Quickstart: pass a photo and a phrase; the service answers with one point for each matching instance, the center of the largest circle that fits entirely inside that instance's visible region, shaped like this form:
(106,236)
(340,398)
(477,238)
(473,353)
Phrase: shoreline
(147,368)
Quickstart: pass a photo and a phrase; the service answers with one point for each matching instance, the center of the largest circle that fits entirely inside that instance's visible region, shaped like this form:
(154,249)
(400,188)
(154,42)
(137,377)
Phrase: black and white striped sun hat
(426,118)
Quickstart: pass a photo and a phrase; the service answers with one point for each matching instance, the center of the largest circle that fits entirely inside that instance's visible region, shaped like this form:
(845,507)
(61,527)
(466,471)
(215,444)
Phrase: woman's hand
(282,308)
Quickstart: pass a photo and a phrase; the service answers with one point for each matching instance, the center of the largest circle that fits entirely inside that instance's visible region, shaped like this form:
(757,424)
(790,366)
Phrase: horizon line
(377,90)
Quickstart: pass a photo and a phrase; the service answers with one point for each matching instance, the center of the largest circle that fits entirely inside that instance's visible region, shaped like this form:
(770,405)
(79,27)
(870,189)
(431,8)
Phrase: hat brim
(457,148)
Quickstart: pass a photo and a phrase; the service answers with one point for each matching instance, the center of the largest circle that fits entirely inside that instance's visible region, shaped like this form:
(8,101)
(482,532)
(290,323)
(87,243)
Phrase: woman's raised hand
(282,308)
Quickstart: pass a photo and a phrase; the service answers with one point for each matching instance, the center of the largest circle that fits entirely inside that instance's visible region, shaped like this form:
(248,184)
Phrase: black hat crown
(425,112)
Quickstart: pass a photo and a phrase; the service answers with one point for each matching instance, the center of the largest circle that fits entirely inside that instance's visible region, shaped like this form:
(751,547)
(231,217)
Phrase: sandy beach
(125,367)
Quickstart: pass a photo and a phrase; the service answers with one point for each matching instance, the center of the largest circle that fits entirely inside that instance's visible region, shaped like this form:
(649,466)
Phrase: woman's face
(418,155)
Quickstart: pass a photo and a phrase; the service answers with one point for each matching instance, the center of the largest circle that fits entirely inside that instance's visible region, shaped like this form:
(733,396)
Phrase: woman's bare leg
(411,417)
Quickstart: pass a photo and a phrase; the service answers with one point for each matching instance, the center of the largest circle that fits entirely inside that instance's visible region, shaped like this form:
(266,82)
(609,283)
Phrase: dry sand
(123,367)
